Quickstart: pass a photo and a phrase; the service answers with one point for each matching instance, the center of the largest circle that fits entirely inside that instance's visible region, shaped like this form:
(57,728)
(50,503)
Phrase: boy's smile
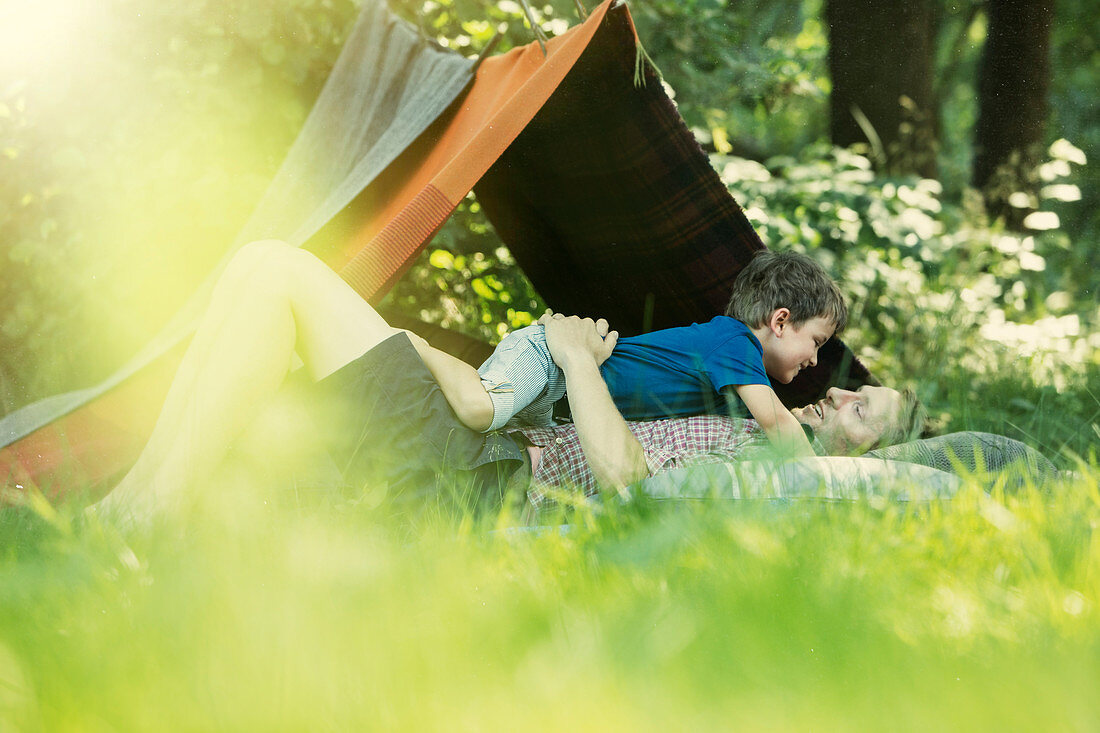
(790,349)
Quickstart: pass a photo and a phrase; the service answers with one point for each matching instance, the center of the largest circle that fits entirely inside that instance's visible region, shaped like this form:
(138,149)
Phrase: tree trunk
(881,59)
(1012,97)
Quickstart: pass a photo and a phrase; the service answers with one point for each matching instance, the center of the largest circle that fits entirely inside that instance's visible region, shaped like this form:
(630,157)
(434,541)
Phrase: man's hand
(572,337)
(579,346)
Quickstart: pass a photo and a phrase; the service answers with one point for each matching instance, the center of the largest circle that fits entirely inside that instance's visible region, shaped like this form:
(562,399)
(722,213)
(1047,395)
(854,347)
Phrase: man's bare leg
(271,301)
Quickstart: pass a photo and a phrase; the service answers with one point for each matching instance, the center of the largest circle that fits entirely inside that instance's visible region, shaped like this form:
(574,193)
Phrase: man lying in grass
(395,399)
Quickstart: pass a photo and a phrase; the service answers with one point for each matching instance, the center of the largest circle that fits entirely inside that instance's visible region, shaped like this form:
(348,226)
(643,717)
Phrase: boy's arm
(783,430)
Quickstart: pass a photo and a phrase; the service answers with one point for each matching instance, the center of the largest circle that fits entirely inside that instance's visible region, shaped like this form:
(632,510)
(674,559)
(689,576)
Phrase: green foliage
(1075,113)
(749,77)
(468,26)
(466,280)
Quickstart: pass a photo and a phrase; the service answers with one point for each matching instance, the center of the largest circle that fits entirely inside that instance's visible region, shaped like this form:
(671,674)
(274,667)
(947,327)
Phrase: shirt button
(558,441)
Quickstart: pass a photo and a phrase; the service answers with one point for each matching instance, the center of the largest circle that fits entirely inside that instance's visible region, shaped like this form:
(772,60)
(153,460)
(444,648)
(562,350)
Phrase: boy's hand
(572,332)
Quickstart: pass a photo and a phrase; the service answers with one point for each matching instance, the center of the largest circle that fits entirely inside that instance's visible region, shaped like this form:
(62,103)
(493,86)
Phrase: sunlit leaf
(1042,221)
(1062,192)
(1063,149)
(442,259)
(482,289)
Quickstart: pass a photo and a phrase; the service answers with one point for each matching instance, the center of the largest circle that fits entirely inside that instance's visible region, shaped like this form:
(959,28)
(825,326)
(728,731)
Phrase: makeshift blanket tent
(593,181)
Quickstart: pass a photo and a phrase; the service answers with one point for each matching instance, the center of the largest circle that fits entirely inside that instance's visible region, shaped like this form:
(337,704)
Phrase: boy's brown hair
(788,280)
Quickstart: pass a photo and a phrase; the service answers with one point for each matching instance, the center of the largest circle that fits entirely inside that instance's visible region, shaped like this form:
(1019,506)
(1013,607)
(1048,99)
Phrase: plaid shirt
(667,444)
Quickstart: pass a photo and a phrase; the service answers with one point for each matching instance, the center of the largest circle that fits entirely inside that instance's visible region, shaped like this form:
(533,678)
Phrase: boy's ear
(778,320)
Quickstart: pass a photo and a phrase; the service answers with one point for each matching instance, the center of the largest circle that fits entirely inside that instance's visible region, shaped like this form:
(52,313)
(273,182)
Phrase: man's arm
(783,430)
(613,453)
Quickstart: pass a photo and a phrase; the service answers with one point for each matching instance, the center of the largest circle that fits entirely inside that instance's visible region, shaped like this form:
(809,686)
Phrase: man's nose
(839,396)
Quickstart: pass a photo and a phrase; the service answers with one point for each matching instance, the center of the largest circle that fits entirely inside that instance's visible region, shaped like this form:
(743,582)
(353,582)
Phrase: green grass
(980,613)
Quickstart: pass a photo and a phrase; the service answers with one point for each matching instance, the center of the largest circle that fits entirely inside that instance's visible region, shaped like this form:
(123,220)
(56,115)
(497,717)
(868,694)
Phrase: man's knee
(261,253)
(266,261)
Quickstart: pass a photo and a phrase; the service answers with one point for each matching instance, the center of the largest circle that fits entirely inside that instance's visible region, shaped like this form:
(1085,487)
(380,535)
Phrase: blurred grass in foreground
(265,614)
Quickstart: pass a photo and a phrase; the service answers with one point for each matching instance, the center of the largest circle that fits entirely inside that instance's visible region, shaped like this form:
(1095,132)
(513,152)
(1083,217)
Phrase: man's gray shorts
(386,423)
(522,380)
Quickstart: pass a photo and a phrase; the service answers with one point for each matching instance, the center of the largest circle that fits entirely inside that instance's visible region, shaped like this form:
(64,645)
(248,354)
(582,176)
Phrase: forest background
(136,137)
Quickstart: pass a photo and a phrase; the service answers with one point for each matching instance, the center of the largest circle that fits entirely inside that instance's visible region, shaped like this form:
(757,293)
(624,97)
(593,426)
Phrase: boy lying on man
(783,308)
(398,398)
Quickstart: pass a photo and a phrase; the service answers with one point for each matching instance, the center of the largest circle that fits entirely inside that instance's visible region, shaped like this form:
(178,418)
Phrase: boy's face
(793,348)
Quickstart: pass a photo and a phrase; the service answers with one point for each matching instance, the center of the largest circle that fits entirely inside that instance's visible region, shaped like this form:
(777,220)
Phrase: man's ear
(779,320)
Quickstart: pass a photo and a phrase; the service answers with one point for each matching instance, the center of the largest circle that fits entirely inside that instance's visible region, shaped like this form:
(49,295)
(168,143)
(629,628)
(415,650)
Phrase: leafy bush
(750,77)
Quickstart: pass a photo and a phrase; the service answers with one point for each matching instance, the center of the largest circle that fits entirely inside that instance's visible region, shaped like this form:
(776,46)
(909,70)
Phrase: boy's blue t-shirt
(683,371)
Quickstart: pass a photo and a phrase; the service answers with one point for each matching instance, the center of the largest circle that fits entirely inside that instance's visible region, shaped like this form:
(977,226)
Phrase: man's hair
(912,422)
(790,280)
